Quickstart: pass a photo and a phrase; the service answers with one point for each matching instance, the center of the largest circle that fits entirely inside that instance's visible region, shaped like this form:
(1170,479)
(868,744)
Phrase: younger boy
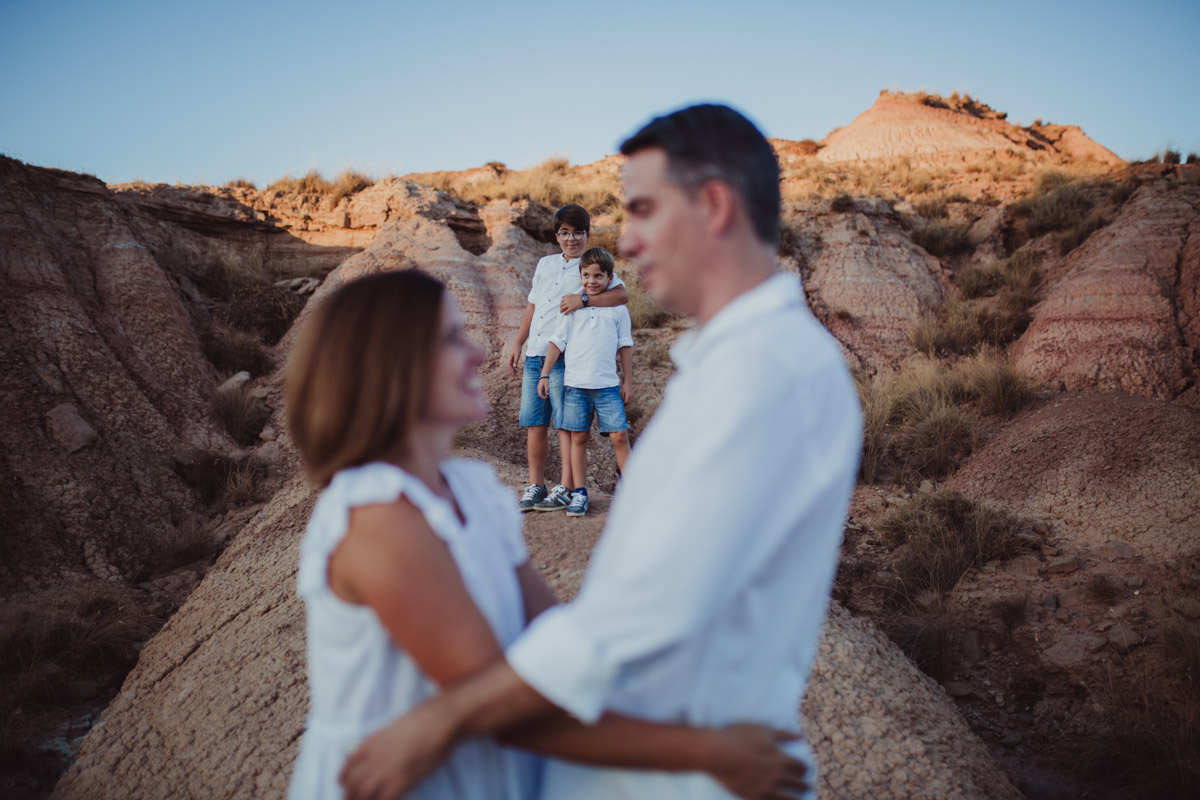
(593,338)
(556,292)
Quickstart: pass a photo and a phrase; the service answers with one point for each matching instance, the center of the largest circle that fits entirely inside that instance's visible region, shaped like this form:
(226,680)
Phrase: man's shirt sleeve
(763,454)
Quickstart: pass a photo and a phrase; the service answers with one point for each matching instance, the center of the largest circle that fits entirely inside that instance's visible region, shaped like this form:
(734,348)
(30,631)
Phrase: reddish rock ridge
(103,379)
(1100,467)
(921,125)
(869,283)
(1121,311)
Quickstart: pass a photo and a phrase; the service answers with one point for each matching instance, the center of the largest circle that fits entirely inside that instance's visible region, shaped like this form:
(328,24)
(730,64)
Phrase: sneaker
(578,505)
(557,500)
(534,493)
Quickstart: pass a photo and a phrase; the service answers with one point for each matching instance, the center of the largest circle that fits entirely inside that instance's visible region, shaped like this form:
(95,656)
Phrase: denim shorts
(535,410)
(606,403)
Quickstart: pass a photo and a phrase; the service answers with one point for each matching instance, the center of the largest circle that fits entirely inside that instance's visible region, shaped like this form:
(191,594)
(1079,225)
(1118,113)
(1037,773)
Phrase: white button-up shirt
(705,597)
(553,277)
(594,335)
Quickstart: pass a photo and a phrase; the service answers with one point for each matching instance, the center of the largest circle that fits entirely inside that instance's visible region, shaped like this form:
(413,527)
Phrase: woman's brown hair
(358,375)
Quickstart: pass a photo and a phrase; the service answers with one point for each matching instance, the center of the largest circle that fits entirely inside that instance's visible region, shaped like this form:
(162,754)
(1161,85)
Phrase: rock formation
(868,282)
(926,125)
(1101,467)
(1120,312)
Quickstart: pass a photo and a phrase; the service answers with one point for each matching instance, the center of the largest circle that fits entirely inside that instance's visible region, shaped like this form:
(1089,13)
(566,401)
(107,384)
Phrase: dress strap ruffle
(369,484)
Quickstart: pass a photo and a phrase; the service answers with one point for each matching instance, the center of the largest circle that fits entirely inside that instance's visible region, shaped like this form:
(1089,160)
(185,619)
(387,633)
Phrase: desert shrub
(1056,204)
(239,412)
(1150,747)
(643,312)
(656,354)
(1181,639)
(927,636)
(550,183)
(941,238)
(994,384)
(962,327)
(1078,233)
(232,351)
(42,654)
(1192,158)
(606,236)
(934,444)
(1022,279)
(1120,192)
(346,184)
(913,424)
(241,484)
(877,410)
(979,280)
(843,203)
(944,534)
(1171,157)
(1103,588)
(259,307)
(240,183)
(932,207)
(1011,610)
(208,474)
(313,182)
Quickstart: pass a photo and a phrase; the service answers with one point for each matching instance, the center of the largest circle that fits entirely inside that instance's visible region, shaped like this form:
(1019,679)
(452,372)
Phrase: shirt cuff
(563,665)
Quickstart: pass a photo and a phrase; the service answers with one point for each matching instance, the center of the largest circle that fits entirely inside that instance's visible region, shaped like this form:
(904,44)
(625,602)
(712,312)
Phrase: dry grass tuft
(943,239)
(998,388)
(961,327)
(42,654)
(551,183)
(233,351)
(253,303)
(944,534)
(927,636)
(240,183)
(1011,610)
(1151,746)
(240,413)
(656,354)
(218,479)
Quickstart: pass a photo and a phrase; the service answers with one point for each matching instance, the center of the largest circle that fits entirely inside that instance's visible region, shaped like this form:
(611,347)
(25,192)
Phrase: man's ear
(720,205)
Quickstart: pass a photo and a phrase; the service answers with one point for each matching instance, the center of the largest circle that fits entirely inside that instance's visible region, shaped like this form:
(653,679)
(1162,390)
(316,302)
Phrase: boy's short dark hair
(575,216)
(598,256)
(713,142)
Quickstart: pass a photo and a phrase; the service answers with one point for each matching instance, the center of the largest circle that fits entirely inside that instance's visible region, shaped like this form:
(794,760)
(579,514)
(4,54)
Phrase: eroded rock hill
(927,125)
(1122,311)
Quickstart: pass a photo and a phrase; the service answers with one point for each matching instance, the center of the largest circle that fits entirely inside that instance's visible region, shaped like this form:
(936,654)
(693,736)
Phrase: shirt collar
(774,294)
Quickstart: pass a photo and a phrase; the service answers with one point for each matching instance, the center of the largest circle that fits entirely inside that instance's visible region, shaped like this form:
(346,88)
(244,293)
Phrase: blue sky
(197,92)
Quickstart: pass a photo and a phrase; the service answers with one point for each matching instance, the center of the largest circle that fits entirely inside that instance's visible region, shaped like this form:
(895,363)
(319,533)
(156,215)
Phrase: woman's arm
(392,561)
(745,758)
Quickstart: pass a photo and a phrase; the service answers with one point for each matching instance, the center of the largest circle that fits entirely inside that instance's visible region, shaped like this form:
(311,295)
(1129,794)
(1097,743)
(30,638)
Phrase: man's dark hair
(711,142)
(600,257)
(575,216)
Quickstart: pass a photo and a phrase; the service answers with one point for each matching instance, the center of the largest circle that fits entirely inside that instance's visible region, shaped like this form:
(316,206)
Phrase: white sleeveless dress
(358,679)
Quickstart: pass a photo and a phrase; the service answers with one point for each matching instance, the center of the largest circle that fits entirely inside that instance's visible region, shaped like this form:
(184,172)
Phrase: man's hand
(748,761)
(570,303)
(514,358)
(395,759)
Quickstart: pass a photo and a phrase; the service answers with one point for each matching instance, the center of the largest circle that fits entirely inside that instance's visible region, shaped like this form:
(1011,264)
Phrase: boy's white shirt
(553,277)
(594,335)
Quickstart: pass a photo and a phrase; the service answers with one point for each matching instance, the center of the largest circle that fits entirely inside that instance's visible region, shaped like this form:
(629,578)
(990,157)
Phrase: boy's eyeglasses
(572,235)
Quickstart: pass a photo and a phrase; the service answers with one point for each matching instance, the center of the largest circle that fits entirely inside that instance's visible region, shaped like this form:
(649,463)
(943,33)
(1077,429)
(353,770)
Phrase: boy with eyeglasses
(595,338)
(557,290)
